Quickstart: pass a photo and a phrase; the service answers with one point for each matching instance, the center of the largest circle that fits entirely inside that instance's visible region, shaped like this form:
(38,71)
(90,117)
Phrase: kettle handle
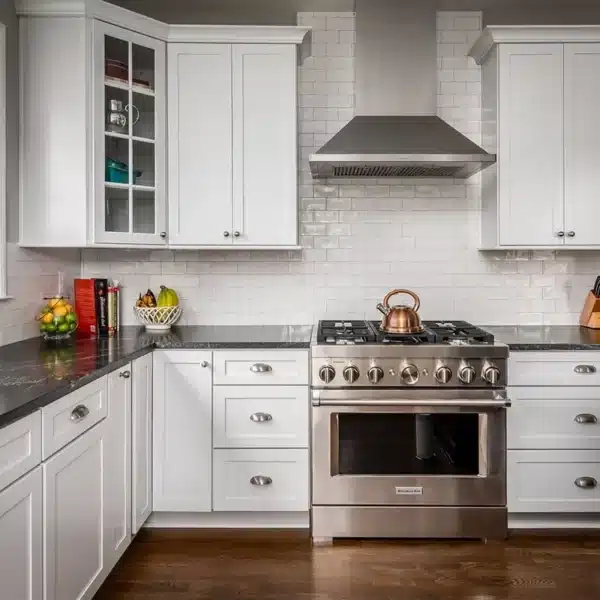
(394,292)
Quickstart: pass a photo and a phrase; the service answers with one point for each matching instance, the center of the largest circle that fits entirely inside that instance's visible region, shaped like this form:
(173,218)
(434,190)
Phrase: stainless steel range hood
(397,132)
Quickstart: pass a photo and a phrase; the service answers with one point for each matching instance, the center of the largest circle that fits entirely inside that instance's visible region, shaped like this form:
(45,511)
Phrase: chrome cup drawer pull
(79,412)
(261,417)
(261,368)
(586,483)
(586,419)
(585,369)
(261,480)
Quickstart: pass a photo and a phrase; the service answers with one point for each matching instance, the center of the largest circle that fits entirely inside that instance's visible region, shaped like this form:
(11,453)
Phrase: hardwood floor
(185,566)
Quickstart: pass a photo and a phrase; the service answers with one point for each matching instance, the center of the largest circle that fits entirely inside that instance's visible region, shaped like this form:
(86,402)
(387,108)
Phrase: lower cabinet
(73,516)
(182,431)
(117,471)
(141,441)
(261,480)
(21,538)
(553,481)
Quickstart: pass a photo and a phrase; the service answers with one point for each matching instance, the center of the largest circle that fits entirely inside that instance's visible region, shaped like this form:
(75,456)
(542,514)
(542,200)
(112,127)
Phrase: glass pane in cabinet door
(117,210)
(144,216)
(116,103)
(116,61)
(116,167)
(143,69)
(142,116)
(143,163)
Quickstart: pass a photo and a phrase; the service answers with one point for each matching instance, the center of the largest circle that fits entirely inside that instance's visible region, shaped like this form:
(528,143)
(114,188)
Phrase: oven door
(397,447)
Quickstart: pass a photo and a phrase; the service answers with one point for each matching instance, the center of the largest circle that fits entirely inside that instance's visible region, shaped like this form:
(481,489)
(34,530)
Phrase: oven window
(408,444)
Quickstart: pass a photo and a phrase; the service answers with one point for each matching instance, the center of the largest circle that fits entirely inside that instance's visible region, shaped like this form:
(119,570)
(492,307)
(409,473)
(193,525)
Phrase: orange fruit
(60,311)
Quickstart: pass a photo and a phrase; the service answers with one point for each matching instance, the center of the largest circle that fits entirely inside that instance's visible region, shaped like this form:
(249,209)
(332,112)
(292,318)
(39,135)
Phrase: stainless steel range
(409,432)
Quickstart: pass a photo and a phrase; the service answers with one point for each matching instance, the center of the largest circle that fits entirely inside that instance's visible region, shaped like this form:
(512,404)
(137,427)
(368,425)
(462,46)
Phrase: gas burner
(458,333)
(403,339)
(344,333)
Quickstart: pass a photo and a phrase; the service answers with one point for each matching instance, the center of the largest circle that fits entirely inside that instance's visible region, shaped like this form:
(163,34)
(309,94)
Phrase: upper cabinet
(540,90)
(232,145)
(93,130)
(92,134)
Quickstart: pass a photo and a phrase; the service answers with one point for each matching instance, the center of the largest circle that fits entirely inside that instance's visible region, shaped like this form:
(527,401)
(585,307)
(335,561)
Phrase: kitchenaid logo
(409,491)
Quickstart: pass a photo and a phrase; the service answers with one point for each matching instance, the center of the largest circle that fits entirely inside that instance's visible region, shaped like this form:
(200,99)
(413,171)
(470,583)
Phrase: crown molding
(533,34)
(110,13)
(238,34)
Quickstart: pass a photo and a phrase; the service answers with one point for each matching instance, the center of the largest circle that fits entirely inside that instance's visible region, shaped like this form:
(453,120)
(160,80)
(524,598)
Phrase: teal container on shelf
(118,172)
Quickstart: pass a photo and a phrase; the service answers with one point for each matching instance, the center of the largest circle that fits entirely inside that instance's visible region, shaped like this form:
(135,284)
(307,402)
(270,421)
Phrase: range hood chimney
(397,132)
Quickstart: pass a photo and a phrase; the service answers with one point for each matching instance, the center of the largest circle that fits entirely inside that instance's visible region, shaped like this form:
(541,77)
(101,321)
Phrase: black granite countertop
(523,338)
(34,373)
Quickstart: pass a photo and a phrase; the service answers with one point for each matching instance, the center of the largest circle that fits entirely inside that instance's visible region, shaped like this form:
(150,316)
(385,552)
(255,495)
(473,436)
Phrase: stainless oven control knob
(492,375)
(351,374)
(466,374)
(443,375)
(410,375)
(326,373)
(375,374)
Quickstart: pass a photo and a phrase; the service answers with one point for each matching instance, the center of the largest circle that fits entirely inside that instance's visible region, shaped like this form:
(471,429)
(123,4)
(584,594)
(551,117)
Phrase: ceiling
(270,12)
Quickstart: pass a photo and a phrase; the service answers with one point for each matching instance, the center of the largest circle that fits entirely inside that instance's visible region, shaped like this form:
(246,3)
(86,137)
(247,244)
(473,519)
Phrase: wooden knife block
(590,315)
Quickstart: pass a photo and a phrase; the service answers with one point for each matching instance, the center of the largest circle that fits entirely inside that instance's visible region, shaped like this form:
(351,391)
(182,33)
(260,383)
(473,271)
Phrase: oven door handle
(504,403)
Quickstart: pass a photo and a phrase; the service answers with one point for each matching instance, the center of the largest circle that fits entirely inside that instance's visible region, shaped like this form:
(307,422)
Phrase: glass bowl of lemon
(57,318)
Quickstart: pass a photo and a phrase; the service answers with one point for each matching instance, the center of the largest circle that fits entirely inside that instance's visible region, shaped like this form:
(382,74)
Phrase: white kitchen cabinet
(260,416)
(71,67)
(141,442)
(21,538)
(117,471)
(582,151)
(232,145)
(73,517)
(261,480)
(182,431)
(539,115)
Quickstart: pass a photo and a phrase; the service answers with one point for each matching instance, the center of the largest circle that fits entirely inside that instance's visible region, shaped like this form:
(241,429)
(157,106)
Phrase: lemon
(69,307)
(47,318)
(60,311)
(56,302)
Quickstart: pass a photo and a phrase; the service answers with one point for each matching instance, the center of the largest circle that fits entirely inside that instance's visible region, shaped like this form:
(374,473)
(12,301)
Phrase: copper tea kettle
(400,319)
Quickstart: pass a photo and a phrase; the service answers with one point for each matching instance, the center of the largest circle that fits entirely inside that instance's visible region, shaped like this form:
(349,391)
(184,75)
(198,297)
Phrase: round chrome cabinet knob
(375,374)
(351,374)
(410,375)
(492,375)
(327,373)
(466,375)
(443,375)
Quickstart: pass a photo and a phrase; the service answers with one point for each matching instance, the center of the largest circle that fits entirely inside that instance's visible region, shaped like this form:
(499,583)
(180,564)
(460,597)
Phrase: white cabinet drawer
(69,417)
(545,481)
(260,480)
(554,368)
(261,367)
(20,448)
(554,418)
(260,416)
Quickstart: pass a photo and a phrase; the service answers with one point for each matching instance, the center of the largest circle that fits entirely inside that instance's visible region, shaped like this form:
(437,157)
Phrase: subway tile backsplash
(360,239)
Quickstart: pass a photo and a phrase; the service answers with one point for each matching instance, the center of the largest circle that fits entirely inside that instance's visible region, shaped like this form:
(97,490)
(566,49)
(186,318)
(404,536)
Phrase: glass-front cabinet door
(129,137)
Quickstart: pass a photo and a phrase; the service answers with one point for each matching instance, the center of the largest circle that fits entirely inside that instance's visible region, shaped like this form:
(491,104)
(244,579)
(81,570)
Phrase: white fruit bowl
(158,319)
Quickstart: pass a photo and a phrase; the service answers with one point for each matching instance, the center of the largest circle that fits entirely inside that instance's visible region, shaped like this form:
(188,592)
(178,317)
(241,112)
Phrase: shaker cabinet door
(582,150)
(182,431)
(129,137)
(200,145)
(21,538)
(264,145)
(530,145)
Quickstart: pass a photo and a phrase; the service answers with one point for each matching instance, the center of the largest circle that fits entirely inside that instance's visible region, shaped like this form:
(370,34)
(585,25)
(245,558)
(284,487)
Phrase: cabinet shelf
(138,89)
(126,186)
(124,136)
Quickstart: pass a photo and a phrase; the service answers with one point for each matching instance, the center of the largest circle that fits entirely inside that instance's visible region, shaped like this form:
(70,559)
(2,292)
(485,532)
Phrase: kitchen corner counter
(34,374)
(541,338)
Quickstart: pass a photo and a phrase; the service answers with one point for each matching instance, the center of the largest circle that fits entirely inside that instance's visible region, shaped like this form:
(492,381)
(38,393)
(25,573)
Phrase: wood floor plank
(192,566)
